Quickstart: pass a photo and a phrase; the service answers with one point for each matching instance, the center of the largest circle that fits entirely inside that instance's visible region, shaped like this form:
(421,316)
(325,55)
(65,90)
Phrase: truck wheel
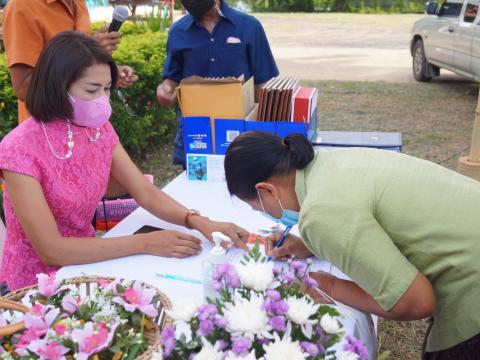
(419,63)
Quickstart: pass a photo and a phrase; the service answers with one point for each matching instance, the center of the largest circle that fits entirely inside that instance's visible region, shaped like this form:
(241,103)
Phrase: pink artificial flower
(70,304)
(48,285)
(92,340)
(103,283)
(48,350)
(60,329)
(138,297)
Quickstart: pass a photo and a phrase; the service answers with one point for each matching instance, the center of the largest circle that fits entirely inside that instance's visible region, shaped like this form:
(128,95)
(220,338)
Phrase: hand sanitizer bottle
(217,256)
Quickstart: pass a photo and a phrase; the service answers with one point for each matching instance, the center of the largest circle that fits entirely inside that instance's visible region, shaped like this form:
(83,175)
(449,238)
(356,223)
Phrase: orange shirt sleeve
(22,34)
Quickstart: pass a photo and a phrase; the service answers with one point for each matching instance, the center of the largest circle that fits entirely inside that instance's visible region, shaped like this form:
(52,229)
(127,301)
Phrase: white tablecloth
(211,199)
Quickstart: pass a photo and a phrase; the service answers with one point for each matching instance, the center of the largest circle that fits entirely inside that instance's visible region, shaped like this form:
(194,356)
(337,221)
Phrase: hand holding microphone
(108,36)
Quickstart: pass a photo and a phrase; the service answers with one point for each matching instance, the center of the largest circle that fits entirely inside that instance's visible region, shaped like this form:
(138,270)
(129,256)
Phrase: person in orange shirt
(29,24)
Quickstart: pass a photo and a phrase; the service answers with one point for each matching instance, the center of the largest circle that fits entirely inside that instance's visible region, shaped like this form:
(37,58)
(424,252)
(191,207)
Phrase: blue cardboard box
(286,128)
(270,127)
(379,140)
(227,130)
(197,133)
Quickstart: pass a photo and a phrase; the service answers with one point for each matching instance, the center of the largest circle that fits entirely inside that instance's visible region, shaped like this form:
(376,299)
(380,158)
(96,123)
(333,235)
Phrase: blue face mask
(289,217)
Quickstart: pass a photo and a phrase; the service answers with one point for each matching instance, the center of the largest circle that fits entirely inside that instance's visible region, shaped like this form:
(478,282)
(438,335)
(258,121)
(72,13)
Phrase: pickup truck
(448,38)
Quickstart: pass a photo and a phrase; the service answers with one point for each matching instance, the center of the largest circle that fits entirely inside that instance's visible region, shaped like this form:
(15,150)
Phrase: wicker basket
(85,286)
(12,307)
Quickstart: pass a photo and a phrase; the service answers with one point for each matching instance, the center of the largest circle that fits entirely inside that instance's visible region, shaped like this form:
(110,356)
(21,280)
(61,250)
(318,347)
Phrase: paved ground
(345,47)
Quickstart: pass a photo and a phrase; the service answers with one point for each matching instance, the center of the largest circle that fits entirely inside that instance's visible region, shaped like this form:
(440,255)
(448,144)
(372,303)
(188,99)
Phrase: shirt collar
(301,178)
(226,12)
(300,188)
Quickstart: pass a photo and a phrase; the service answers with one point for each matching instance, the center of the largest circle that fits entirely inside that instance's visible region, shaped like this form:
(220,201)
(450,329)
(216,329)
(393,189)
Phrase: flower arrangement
(261,312)
(110,322)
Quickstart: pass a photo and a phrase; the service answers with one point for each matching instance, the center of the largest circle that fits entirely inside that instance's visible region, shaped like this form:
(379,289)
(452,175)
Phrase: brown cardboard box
(226,98)
(217,98)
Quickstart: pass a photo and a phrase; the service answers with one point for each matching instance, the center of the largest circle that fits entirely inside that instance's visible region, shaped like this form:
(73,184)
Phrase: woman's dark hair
(63,61)
(256,156)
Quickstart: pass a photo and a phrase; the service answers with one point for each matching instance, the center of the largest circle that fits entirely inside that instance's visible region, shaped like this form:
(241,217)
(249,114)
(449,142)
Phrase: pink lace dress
(72,187)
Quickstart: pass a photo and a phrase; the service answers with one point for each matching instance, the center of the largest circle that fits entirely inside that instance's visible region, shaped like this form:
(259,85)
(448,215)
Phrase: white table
(211,199)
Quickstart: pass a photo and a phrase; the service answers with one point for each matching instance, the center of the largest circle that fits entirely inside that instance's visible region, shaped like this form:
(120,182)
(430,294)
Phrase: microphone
(120,15)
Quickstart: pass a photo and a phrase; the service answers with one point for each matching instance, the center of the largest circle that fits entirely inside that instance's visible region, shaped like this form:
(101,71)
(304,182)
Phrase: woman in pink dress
(56,166)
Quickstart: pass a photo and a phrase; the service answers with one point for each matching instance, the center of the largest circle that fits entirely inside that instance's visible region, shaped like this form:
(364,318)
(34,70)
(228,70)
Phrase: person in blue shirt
(213,40)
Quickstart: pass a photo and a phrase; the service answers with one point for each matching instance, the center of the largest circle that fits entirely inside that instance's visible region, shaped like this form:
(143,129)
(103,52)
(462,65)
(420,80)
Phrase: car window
(471,11)
(451,9)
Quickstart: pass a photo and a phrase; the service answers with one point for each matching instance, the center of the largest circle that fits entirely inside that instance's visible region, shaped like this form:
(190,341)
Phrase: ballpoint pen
(179,278)
(281,240)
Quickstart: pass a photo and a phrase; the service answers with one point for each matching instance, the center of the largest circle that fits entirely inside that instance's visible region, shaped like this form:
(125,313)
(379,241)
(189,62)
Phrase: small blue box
(227,130)
(379,140)
(266,126)
(197,135)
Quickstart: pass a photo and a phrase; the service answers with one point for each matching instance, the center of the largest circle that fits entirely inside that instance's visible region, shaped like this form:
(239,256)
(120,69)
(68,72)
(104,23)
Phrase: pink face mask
(91,113)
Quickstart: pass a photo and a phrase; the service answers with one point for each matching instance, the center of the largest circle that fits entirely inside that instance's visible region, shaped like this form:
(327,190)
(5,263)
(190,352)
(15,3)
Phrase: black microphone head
(120,13)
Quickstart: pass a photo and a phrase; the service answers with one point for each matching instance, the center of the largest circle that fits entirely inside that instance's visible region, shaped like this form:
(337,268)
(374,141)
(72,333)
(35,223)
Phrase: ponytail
(256,156)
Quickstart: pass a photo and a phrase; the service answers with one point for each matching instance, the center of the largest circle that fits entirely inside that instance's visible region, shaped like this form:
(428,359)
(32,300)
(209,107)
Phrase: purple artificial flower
(310,348)
(207,311)
(281,307)
(298,267)
(168,340)
(288,277)
(356,346)
(273,295)
(221,345)
(227,272)
(241,346)
(277,323)
(217,286)
(206,328)
(221,322)
(311,283)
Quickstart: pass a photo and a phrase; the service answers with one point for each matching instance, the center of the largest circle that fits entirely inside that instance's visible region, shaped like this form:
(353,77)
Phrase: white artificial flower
(330,324)
(157,355)
(208,352)
(347,355)
(255,275)
(300,310)
(284,349)
(232,356)
(183,310)
(246,317)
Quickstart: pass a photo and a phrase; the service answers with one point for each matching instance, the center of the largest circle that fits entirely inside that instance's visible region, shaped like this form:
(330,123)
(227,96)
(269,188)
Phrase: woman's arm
(417,302)
(38,223)
(163,206)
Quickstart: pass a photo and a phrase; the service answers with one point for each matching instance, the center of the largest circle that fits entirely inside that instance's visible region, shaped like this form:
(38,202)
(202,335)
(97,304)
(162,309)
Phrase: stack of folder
(276,99)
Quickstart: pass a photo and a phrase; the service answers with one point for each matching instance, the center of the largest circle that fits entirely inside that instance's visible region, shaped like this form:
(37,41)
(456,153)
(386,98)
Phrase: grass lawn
(436,121)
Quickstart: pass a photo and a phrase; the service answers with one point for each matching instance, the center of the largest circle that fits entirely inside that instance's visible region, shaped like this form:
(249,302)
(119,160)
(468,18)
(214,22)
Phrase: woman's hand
(169,243)
(206,226)
(293,246)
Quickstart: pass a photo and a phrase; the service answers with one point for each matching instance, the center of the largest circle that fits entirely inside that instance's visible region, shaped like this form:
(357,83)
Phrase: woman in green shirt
(405,230)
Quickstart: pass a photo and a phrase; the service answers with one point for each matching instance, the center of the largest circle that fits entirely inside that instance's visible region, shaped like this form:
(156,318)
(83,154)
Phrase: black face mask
(198,8)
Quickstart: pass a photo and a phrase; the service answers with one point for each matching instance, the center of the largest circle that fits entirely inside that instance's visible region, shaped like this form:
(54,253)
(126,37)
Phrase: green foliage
(8,100)
(370,6)
(354,6)
(144,51)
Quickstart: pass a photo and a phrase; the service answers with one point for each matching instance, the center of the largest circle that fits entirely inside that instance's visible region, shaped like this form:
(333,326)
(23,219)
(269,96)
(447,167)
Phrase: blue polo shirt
(192,50)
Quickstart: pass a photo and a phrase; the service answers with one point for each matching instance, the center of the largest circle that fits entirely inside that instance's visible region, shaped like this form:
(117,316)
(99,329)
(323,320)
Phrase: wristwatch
(188,215)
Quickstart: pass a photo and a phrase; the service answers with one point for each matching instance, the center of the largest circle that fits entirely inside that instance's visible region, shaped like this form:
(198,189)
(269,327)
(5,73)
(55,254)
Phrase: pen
(179,278)
(282,240)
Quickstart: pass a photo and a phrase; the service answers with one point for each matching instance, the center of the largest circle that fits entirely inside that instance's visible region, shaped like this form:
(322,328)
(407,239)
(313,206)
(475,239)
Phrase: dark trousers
(466,350)
(178,147)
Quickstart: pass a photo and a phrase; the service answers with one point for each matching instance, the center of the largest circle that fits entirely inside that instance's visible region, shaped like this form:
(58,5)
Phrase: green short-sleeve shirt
(381,217)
